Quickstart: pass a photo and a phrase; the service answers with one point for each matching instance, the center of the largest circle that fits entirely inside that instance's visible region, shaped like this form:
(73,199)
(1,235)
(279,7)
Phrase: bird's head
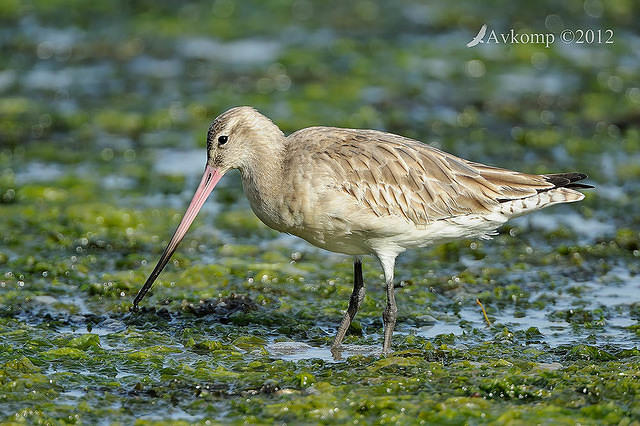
(240,138)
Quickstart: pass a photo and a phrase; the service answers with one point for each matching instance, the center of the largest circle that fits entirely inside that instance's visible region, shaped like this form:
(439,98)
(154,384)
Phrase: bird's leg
(354,303)
(391,310)
(389,316)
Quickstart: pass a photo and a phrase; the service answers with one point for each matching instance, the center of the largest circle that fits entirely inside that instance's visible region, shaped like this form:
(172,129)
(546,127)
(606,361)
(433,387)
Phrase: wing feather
(392,175)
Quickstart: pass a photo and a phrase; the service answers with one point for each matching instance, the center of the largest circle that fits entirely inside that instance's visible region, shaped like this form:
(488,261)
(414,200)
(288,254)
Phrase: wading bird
(362,192)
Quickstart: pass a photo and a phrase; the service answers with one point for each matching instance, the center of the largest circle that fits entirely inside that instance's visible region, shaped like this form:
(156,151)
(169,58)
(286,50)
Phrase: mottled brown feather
(393,175)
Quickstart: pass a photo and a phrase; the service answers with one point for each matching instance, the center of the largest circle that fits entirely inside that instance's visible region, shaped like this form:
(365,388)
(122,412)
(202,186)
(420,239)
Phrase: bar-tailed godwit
(362,192)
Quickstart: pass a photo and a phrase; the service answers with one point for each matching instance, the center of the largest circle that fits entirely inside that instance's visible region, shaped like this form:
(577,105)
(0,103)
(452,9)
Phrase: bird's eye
(222,140)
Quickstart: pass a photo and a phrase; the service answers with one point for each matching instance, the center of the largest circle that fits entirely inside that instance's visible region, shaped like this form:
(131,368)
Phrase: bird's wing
(393,175)
(482,32)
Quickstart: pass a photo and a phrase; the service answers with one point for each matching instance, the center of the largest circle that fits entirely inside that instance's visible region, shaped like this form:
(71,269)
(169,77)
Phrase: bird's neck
(263,179)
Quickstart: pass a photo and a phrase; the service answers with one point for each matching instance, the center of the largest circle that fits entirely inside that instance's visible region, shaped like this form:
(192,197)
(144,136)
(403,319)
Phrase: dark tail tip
(567,180)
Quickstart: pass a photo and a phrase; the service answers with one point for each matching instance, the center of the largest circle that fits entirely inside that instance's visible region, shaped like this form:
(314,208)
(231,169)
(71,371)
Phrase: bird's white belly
(338,241)
(391,234)
(440,231)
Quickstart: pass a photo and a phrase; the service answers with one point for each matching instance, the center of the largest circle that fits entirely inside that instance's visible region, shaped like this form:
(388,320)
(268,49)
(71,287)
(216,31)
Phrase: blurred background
(104,108)
(133,77)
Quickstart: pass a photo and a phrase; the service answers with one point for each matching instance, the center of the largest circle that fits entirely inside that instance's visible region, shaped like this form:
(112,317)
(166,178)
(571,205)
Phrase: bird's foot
(336,352)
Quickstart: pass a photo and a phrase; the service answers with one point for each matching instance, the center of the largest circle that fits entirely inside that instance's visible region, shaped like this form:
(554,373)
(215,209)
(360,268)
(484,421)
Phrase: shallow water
(298,351)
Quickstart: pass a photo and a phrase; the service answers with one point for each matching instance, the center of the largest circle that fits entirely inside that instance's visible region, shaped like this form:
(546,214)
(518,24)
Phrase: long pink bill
(209,180)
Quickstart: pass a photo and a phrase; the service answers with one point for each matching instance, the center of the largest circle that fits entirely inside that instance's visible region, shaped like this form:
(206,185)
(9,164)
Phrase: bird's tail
(563,191)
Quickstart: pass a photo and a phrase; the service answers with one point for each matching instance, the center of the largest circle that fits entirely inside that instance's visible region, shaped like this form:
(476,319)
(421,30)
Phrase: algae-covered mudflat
(104,108)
